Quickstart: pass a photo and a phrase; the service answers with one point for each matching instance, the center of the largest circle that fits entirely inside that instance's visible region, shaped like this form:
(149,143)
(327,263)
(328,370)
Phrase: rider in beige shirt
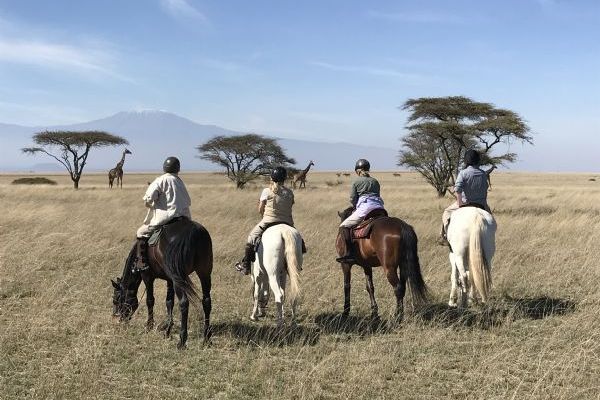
(275,206)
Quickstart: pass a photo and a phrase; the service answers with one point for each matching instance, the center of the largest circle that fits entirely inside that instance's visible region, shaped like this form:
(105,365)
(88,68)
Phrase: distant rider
(167,198)
(364,198)
(471,189)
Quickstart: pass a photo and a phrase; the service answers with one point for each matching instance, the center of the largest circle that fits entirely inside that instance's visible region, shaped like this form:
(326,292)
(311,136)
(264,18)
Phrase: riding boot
(141,259)
(347,257)
(245,265)
(442,240)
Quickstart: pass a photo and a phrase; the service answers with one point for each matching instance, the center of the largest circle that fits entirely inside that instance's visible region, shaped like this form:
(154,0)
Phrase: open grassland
(538,338)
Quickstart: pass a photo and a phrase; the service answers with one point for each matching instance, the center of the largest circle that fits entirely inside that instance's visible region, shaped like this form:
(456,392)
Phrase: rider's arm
(151,194)
(261,206)
(262,201)
(353,195)
(458,188)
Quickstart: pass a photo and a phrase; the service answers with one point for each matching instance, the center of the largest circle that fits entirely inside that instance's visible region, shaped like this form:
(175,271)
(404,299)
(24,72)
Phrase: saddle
(259,240)
(363,229)
(156,235)
(476,205)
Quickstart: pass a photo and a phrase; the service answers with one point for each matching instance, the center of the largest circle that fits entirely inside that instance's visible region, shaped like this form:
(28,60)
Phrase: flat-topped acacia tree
(71,148)
(442,129)
(245,157)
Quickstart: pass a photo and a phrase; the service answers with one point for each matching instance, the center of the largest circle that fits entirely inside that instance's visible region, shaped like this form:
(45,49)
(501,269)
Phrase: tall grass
(538,338)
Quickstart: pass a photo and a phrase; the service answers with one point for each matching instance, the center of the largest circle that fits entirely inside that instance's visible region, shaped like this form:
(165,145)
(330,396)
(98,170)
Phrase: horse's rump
(185,243)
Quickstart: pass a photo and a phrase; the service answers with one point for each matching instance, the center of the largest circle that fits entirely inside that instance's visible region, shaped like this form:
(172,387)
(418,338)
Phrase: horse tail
(478,264)
(179,254)
(293,258)
(418,288)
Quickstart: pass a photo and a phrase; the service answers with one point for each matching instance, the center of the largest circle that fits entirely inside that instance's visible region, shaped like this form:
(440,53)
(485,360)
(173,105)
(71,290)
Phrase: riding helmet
(472,157)
(279,174)
(171,165)
(362,164)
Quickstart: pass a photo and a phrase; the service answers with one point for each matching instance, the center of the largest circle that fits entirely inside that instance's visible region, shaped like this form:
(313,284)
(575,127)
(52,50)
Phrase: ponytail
(362,172)
(275,187)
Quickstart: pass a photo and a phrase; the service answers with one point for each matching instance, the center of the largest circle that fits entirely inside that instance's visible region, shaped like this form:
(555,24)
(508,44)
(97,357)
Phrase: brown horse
(391,244)
(184,247)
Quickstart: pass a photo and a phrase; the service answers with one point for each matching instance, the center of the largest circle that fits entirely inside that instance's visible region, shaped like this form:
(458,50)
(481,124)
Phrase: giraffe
(301,176)
(117,172)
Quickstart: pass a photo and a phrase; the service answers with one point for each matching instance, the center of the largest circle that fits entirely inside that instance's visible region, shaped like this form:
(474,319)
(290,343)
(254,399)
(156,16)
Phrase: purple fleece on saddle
(366,204)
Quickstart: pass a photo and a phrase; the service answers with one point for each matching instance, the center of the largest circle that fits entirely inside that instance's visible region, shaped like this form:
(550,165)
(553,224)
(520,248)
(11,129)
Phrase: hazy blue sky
(333,69)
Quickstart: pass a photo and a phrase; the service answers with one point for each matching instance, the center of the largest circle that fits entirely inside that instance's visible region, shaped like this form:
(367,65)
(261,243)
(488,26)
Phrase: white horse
(472,238)
(278,255)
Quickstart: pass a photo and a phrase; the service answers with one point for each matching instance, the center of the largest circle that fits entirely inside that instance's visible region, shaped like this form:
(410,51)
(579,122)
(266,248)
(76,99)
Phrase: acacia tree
(245,157)
(441,129)
(71,148)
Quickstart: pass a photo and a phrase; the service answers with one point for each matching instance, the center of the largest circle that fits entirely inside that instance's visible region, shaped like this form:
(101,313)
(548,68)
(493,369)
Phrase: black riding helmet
(279,175)
(171,165)
(362,164)
(472,157)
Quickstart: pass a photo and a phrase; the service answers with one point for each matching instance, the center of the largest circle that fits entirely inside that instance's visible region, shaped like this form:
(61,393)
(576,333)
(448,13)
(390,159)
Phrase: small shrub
(34,181)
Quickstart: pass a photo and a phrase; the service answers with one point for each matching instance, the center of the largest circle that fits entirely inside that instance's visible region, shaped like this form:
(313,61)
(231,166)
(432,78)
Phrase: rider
(275,206)
(471,190)
(364,198)
(167,198)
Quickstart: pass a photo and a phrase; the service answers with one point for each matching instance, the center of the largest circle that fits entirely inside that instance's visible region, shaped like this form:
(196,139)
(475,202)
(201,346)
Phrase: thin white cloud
(182,9)
(81,59)
(421,17)
(369,70)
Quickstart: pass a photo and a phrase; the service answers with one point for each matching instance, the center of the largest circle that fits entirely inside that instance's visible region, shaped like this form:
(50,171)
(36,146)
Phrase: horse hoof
(180,346)
(452,304)
(253,318)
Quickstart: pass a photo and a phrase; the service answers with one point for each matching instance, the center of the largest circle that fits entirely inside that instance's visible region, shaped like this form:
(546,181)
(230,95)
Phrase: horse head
(125,301)
(345,213)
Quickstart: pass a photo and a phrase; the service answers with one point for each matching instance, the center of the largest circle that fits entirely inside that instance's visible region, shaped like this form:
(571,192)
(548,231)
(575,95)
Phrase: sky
(334,70)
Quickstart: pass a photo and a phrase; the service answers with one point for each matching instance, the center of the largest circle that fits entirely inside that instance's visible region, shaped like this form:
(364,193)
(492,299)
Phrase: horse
(184,247)
(472,239)
(279,251)
(392,244)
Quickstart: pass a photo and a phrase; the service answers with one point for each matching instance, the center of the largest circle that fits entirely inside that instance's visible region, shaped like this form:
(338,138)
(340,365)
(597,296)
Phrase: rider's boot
(141,259)
(347,257)
(442,240)
(245,265)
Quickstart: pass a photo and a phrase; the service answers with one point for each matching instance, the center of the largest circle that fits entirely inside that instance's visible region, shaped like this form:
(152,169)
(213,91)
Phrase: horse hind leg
(452,302)
(463,279)
(205,281)
(184,304)
(371,291)
(399,285)
(167,325)
(278,288)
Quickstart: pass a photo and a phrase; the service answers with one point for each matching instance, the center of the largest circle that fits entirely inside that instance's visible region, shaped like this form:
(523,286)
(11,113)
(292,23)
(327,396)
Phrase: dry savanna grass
(538,338)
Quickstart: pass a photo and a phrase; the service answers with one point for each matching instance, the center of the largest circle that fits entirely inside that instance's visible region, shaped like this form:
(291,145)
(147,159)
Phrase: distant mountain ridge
(154,135)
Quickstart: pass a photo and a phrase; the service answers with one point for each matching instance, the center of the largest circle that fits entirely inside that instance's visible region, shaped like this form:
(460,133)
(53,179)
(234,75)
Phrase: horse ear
(115,284)
(340,214)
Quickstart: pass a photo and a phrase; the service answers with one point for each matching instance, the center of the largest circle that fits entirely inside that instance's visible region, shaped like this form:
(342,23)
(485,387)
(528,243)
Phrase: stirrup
(239,267)
(347,258)
(139,267)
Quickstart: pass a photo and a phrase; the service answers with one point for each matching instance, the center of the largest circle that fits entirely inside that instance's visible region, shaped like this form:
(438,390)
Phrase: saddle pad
(155,237)
(363,229)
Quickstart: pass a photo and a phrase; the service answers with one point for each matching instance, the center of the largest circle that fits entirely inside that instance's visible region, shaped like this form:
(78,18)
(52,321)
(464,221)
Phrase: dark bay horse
(184,247)
(392,244)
